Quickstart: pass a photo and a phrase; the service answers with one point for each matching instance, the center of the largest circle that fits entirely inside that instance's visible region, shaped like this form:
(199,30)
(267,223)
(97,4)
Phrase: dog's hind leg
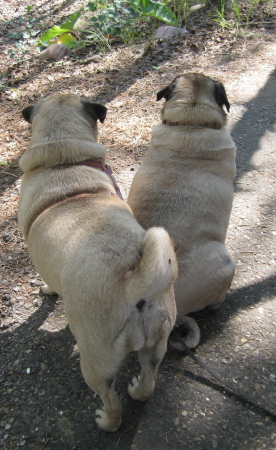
(109,418)
(150,359)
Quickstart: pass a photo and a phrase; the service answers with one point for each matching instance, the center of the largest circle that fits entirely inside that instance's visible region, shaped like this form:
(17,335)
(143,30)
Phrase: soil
(45,402)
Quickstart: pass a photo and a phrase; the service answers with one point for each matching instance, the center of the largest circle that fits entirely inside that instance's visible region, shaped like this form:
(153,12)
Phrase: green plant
(235,13)
(180,9)
(63,34)
(150,8)
(114,20)
(17,53)
(23,39)
(111,19)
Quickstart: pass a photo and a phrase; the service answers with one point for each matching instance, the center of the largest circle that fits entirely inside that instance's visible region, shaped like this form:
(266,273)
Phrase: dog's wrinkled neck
(213,125)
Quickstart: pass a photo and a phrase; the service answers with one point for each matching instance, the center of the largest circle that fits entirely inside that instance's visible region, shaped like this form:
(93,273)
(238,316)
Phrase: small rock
(168,32)
(95,58)
(27,305)
(196,7)
(225,361)
(12,301)
(6,237)
(43,367)
(55,52)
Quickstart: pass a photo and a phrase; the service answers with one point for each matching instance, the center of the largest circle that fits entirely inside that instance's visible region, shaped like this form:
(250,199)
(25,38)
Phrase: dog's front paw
(108,422)
(137,392)
(47,290)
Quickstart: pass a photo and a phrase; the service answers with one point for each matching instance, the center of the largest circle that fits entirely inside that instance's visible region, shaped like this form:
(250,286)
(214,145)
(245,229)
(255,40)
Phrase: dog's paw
(136,392)
(47,290)
(132,387)
(108,422)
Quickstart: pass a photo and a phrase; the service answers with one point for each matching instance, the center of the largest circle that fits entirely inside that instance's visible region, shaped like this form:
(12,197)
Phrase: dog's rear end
(116,279)
(118,293)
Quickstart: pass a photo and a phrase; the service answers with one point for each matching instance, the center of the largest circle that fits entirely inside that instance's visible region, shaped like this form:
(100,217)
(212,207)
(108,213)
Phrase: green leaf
(34,32)
(57,31)
(14,35)
(154,9)
(92,6)
(67,39)
(70,23)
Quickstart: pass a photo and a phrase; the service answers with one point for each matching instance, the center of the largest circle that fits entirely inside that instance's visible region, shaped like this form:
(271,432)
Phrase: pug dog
(116,279)
(185,184)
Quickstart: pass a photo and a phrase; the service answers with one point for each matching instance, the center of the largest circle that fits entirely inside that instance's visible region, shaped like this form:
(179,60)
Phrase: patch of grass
(181,9)
(232,14)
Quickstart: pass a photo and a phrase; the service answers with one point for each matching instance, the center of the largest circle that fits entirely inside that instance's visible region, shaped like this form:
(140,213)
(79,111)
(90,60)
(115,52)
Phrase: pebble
(27,305)
(168,32)
(55,51)
(225,361)
(12,301)
(95,58)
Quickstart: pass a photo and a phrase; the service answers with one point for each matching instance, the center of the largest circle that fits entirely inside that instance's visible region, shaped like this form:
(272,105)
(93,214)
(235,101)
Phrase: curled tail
(157,267)
(189,331)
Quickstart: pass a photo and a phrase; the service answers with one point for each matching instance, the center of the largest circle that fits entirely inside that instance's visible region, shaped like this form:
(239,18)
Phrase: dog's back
(185,184)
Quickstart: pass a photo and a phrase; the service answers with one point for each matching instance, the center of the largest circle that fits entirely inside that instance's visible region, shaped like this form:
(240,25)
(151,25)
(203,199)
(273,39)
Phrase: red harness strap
(97,165)
(105,168)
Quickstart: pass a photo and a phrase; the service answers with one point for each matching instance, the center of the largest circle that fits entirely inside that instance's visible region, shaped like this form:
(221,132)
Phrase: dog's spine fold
(157,267)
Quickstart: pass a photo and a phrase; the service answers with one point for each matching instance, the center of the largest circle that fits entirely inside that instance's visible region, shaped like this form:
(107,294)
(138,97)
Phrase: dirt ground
(45,402)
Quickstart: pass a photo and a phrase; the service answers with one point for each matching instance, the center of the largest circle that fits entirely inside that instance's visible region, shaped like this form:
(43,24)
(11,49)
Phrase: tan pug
(185,184)
(116,278)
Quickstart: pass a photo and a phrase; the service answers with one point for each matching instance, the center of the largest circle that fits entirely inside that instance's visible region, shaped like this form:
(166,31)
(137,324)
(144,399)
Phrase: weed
(235,13)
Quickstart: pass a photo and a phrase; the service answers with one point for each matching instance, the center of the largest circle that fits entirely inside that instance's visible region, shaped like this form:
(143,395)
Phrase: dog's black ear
(220,95)
(168,92)
(95,110)
(163,94)
(27,113)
